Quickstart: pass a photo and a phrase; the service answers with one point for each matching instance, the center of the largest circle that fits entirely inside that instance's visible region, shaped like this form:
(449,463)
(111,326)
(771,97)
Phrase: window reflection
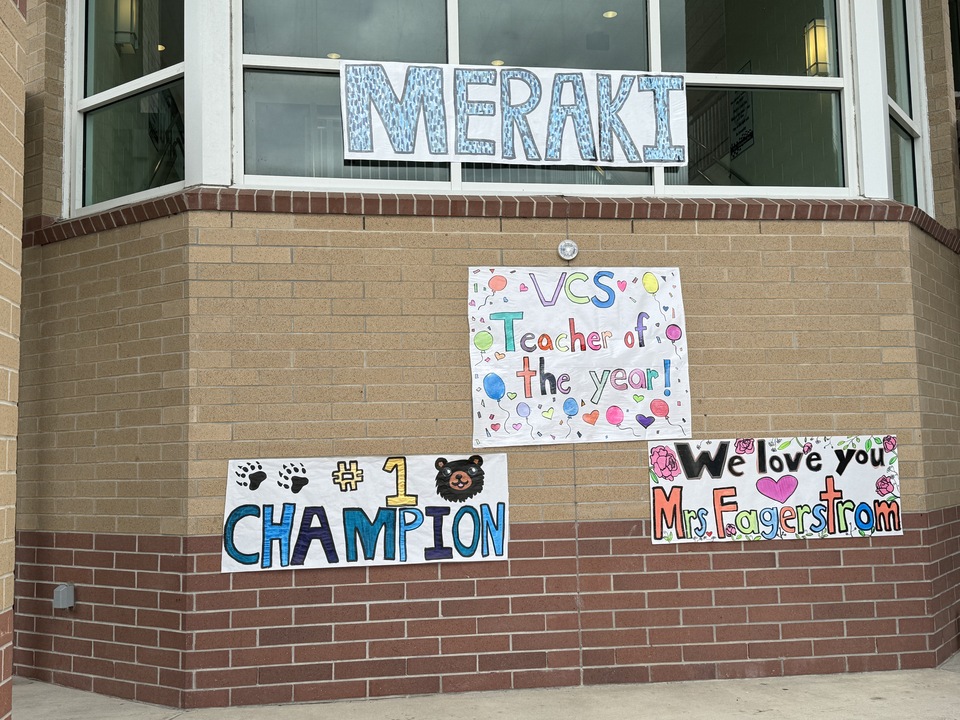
(762,137)
(128,39)
(553,33)
(292,126)
(743,36)
(388,30)
(134,144)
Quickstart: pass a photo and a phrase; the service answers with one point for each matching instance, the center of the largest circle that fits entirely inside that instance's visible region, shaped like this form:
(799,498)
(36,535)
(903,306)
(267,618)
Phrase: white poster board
(576,355)
(529,116)
(775,489)
(351,511)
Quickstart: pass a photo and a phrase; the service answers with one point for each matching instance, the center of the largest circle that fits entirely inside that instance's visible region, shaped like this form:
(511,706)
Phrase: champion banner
(349,511)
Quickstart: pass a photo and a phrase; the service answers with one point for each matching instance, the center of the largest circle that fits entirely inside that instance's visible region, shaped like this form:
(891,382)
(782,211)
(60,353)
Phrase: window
(758,116)
(783,99)
(133,98)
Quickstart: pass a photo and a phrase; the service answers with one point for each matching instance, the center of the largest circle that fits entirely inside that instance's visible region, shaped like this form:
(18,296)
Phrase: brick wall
(103,386)
(599,606)
(44,74)
(12,61)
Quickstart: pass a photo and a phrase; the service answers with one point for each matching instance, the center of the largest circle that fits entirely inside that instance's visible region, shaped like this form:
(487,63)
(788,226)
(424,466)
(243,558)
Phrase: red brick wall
(155,620)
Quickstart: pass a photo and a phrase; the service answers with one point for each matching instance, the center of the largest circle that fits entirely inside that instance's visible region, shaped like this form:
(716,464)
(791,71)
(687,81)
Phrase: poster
(775,489)
(351,511)
(571,355)
(531,116)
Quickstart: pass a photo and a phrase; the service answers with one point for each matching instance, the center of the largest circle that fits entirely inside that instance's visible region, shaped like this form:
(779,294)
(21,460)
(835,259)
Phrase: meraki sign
(437,113)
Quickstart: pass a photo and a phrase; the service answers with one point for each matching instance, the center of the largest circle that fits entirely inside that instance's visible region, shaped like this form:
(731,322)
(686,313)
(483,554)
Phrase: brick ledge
(42,230)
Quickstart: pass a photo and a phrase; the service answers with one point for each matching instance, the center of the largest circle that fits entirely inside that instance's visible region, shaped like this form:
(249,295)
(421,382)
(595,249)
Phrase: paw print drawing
(293,477)
(251,474)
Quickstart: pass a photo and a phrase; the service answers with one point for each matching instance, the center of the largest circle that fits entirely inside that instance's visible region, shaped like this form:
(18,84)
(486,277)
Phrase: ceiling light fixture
(498,63)
(609,14)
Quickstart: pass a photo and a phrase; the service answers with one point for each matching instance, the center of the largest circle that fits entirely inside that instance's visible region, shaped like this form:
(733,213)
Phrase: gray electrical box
(63,596)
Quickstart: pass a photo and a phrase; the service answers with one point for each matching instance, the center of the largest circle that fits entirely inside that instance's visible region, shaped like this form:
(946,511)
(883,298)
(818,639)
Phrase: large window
(783,99)
(132,98)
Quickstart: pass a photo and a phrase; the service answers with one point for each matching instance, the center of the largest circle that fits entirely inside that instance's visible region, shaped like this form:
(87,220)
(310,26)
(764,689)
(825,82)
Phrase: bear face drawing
(459,480)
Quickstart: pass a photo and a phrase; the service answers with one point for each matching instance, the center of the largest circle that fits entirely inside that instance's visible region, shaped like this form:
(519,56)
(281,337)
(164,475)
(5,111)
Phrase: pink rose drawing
(744,446)
(664,463)
(730,529)
(889,443)
(807,447)
(884,485)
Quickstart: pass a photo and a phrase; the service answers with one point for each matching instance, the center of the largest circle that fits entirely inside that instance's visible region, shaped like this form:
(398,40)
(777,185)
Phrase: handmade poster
(352,511)
(571,355)
(775,489)
(532,116)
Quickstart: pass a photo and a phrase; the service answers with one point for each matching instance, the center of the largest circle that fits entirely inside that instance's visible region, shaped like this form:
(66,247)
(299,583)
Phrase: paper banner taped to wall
(775,489)
(531,116)
(575,355)
(352,511)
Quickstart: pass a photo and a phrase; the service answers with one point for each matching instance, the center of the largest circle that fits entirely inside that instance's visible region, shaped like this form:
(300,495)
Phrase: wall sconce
(816,47)
(126,26)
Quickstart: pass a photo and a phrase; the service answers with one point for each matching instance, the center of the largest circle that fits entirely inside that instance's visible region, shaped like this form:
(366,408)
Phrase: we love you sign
(775,489)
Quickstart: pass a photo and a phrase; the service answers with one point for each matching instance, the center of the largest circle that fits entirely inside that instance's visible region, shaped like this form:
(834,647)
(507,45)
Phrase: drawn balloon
(650,283)
(494,387)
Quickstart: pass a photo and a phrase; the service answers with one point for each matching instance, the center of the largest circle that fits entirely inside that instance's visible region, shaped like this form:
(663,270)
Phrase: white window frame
(214,66)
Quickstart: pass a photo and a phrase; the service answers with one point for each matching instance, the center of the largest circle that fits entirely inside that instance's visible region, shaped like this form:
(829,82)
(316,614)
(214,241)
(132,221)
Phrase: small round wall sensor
(568,249)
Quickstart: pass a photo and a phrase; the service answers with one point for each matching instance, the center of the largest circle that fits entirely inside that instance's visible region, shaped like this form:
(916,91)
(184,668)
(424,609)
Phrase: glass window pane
(127,39)
(762,137)
(767,37)
(134,144)
(555,175)
(291,126)
(895,44)
(387,30)
(554,33)
(904,164)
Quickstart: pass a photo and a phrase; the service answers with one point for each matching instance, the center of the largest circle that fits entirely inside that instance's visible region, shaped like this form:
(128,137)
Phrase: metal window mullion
(236,85)
(73,119)
(873,127)
(453,57)
(207,97)
(848,99)
(289,62)
(923,168)
(772,82)
(129,89)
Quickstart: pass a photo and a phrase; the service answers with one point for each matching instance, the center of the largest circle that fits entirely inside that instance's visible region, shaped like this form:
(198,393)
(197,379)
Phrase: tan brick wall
(936,288)
(155,353)
(44,74)
(103,385)
(941,111)
(12,56)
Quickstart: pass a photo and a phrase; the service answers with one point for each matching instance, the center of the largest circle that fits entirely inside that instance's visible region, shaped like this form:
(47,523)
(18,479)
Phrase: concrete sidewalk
(913,694)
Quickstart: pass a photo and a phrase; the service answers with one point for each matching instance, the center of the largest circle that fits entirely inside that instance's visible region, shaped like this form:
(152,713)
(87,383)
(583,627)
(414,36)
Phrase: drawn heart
(638,398)
(512,396)
(523,288)
(517,426)
(779,490)
(495,427)
(622,284)
(591,417)
(473,303)
(548,414)
(645,420)
(499,355)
